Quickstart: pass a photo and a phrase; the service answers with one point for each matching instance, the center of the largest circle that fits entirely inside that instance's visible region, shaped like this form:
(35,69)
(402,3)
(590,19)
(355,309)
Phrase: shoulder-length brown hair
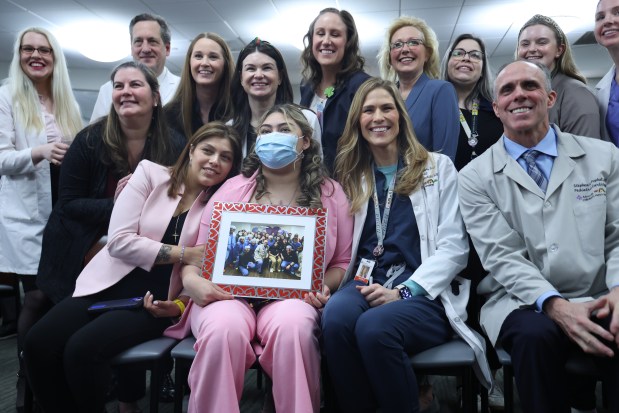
(215,129)
(352,62)
(157,147)
(354,160)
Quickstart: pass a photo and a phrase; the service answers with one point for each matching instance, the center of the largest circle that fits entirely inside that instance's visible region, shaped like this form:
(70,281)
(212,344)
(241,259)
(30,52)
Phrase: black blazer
(82,214)
(335,113)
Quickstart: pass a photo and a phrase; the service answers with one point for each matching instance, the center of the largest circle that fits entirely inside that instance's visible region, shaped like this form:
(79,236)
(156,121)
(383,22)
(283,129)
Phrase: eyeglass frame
(394,45)
(465,53)
(42,50)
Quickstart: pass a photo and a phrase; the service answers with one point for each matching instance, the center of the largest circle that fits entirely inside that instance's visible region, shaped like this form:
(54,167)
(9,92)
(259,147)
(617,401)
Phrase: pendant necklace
(281,203)
(471,133)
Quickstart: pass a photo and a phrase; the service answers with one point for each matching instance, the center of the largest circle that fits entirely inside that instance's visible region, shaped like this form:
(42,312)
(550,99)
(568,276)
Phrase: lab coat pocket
(590,219)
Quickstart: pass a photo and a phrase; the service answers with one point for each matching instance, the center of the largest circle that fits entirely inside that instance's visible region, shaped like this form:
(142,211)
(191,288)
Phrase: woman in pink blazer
(156,215)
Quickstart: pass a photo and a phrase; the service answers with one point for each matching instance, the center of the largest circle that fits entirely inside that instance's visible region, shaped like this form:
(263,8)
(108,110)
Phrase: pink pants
(288,332)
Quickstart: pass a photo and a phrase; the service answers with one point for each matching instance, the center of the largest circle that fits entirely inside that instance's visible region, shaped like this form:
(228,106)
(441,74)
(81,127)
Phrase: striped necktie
(534,172)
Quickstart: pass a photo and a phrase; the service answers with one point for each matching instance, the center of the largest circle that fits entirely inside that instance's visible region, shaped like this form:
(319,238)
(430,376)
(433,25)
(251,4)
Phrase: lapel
(414,94)
(567,148)
(503,163)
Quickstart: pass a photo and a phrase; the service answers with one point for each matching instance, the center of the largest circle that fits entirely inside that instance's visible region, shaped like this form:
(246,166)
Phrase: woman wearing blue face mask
(284,169)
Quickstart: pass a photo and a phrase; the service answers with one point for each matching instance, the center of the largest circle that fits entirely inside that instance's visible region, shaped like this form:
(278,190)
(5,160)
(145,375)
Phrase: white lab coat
(25,192)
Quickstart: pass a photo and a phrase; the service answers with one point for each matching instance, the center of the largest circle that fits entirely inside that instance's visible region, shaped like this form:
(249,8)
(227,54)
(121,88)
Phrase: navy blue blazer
(335,113)
(432,106)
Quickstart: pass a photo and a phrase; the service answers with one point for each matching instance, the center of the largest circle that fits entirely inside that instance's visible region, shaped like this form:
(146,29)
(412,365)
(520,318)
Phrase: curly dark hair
(313,172)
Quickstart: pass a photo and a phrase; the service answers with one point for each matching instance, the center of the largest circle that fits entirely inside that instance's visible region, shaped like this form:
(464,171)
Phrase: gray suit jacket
(530,242)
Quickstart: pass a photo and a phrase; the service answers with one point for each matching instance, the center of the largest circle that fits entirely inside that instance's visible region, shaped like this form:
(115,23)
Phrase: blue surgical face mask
(277,150)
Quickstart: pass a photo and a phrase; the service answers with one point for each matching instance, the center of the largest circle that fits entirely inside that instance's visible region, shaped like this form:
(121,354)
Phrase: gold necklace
(281,203)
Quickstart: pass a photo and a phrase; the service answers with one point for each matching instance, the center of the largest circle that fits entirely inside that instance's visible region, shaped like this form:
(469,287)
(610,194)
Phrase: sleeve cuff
(415,288)
(539,303)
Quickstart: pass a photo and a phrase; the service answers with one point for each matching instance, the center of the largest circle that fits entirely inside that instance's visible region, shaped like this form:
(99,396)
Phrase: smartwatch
(405,292)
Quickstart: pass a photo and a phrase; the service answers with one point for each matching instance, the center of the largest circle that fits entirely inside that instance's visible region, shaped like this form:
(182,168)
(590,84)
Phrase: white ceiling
(283,22)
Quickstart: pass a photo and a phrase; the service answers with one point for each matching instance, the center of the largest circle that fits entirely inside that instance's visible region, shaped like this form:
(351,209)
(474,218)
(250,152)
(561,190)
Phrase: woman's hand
(203,291)
(318,300)
(194,255)
(122,182)
(376,294)
(54,152)
(160,308)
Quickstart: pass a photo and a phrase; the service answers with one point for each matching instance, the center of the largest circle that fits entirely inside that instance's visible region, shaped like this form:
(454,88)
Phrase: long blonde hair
(26,99)
(354,160)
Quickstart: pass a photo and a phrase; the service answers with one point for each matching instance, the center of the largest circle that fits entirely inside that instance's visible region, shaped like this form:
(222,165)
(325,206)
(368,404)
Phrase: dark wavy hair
(352,62)
(242,115)
(313,172)
(215,129)
(483,87)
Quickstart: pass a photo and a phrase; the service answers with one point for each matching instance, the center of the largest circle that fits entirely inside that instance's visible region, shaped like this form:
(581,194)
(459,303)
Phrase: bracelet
(180,304)
(182,255)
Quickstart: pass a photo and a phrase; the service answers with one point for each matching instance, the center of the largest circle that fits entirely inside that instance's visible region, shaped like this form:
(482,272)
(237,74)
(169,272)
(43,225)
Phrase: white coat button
(547,204)
(554,248)
(423,237)
(457,319)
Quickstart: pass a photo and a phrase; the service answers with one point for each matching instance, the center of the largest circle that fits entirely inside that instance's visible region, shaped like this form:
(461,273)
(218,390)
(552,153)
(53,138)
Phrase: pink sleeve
(205,222)
(340,230)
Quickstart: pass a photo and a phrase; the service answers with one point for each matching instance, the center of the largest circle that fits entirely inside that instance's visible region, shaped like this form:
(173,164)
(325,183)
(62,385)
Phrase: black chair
(183,355)
(150,355)
(12,290)
(455,358)
(578,363)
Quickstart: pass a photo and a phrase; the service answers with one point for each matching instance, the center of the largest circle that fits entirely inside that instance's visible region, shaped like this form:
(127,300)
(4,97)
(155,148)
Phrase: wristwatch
(404,291)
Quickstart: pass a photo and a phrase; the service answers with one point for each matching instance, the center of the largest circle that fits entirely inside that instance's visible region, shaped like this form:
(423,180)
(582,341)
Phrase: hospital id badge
(364,272)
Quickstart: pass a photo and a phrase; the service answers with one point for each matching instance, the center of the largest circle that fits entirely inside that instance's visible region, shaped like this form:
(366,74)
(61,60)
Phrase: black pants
(67,352)
(539,350)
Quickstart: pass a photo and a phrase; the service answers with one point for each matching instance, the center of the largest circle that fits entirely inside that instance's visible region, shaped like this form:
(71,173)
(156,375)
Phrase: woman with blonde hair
(409,231)
(204,91)
(39,116)
(284,169)
(575,111)
(409,57)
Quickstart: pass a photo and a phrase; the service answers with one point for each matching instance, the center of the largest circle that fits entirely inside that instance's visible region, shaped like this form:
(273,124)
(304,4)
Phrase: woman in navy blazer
(67,352)
(332,71)
(409,57)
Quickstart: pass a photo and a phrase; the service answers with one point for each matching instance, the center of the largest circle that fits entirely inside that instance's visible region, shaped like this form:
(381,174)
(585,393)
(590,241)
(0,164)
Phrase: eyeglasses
(410,43)
(43,51)
(474,55)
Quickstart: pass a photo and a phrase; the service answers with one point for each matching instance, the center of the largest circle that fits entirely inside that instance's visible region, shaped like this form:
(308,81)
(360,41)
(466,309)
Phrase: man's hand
(611,309)
(574,320)
(376,294)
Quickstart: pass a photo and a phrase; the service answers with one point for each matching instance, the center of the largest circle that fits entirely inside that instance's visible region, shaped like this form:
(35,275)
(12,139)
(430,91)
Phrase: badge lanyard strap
(381,227)
(471,134)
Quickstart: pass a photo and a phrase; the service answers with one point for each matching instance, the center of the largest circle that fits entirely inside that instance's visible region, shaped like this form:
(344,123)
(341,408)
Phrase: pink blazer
(338,245)
(139,219)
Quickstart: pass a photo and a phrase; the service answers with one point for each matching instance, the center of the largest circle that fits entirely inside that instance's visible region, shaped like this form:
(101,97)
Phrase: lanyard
(471,134)
(381,225)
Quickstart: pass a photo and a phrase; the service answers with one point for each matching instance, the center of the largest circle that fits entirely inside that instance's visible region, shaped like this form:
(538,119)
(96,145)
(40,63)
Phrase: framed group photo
(266,251)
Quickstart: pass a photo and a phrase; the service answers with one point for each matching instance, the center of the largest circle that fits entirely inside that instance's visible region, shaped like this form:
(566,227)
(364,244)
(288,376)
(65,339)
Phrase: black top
(335,112)
(489,129)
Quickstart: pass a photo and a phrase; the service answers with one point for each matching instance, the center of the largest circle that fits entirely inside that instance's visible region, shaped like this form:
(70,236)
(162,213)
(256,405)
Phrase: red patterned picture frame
(309,223)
